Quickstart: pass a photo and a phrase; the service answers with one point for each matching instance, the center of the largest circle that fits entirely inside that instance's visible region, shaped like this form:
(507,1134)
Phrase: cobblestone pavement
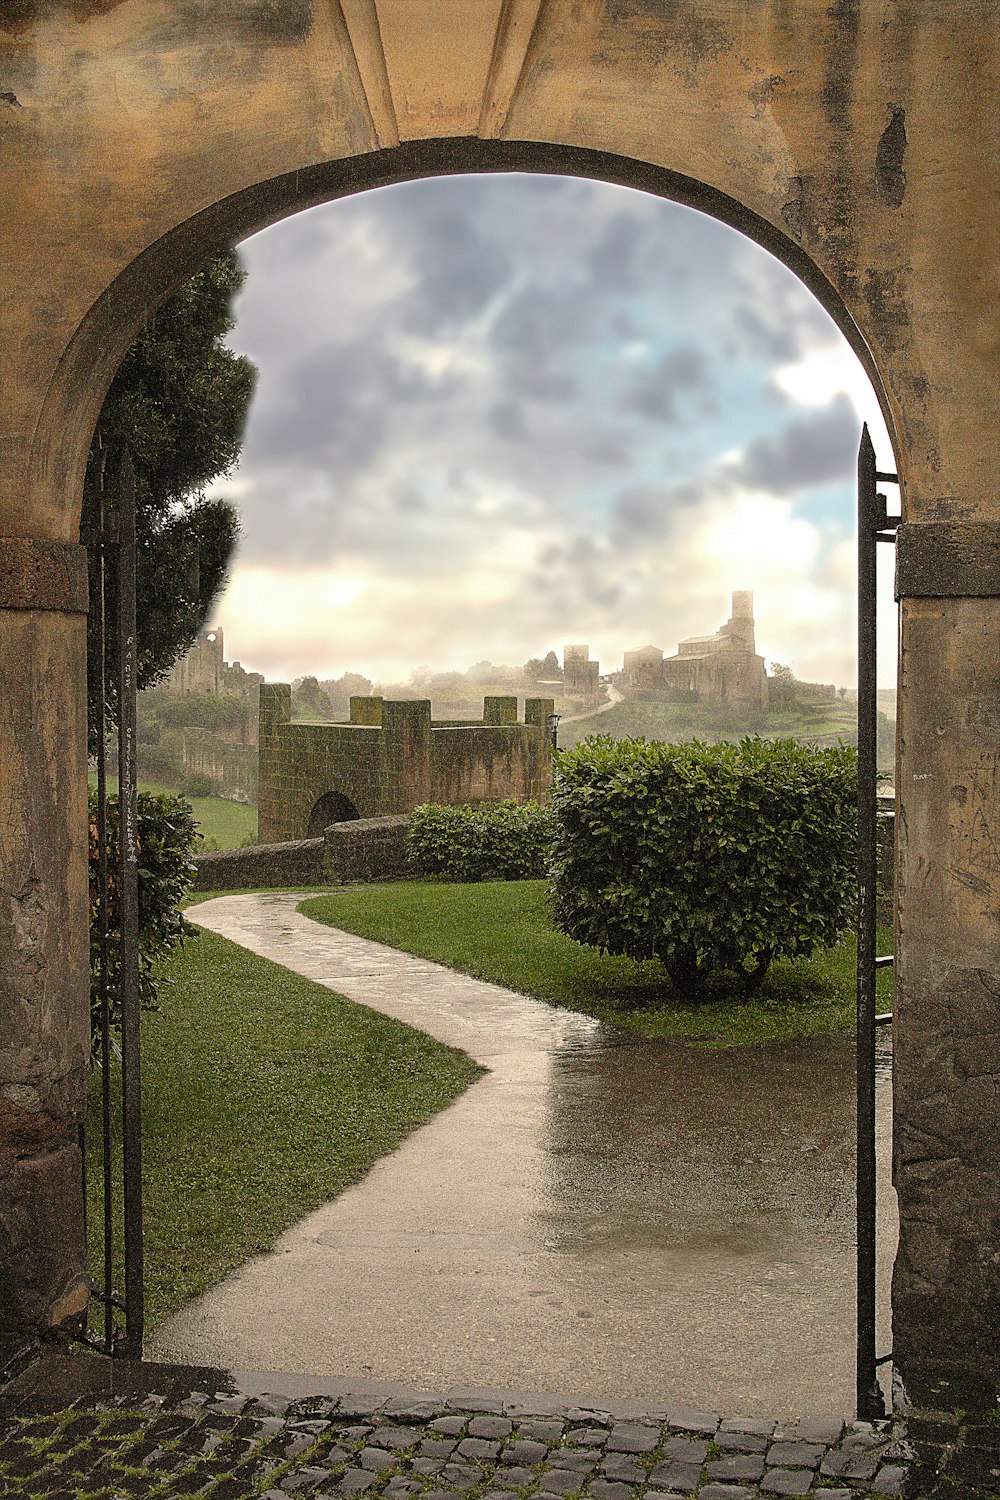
(75,1427)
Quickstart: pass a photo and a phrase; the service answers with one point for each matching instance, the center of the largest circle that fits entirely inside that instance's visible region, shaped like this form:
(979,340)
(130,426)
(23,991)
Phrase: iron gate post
(129,907)
(869,1395)
(115,888)
(874,526)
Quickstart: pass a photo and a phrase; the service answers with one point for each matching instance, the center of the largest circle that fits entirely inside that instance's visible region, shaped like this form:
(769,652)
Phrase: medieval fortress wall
(391,757)
(200,669)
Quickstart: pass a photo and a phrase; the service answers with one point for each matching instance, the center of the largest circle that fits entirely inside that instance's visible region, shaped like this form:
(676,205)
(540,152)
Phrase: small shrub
(707,857)
(495,841)
(166,834)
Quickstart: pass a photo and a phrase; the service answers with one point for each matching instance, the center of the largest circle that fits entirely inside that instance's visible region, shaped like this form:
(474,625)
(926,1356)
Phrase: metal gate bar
(874,525)
(111,495)
(128,928)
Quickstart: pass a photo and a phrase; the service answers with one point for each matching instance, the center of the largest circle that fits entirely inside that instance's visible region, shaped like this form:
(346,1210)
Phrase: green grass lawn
(264,1095)
(225,825)
(501,931)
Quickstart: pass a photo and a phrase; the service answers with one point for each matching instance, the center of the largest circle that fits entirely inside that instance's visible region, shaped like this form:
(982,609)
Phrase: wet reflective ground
(601,1212)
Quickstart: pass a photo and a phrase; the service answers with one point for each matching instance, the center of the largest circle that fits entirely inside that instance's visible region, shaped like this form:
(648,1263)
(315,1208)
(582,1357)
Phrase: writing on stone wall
(973,799)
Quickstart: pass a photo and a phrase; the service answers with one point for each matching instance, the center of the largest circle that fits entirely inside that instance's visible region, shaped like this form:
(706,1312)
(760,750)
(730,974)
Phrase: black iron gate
(110,536)
(875,525)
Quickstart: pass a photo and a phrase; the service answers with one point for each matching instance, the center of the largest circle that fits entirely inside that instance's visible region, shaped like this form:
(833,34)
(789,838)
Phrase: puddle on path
(601,1212)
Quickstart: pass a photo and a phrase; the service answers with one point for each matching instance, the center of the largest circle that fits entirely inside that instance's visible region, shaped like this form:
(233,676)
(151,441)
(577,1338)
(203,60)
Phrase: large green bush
(166,833)
(707,857)
(495,841)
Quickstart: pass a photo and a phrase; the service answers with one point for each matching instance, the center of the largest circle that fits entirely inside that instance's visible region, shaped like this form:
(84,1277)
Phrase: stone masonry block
(44,1281)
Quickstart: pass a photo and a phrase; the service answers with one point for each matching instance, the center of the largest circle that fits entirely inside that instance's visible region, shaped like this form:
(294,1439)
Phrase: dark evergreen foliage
(166,835)
(179,401)
(310,699)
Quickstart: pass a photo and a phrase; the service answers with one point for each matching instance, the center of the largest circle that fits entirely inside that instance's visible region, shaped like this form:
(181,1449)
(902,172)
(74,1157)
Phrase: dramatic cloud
(658,393)
(495,414)
(818,449)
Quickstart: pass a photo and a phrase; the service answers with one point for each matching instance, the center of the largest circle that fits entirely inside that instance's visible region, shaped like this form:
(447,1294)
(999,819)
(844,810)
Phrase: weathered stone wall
(946,1147)
(263,867)
(477,764)
(369,849)
(44,911)
(200,669)
(405,748)
(391,758)
(362,849)
(299,763)
(231,768)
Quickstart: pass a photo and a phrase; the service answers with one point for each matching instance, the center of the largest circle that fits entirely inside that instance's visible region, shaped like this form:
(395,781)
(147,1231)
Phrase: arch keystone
(439,56)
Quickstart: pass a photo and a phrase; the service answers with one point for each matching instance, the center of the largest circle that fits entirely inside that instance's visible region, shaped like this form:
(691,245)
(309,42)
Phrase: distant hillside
(463,699)
(822,721)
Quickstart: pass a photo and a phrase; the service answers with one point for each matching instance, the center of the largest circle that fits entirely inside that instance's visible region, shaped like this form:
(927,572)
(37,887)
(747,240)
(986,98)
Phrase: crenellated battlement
(391,756)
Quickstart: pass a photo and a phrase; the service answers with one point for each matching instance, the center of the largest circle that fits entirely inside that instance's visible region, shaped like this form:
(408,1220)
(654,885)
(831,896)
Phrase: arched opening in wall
(629,524)
(332,807)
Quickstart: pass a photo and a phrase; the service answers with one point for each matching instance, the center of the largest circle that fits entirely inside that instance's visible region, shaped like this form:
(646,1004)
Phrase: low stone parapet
(359,850)
(369,849)
(262,867)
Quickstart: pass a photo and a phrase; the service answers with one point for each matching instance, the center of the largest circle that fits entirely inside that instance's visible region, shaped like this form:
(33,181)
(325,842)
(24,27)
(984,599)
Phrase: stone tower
(740,627)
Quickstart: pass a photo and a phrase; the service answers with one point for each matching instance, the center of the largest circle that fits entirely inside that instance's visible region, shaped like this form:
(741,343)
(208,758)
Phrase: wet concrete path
(641,1219)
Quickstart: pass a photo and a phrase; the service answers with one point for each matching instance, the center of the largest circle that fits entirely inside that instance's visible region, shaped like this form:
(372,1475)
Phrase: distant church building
(720,668)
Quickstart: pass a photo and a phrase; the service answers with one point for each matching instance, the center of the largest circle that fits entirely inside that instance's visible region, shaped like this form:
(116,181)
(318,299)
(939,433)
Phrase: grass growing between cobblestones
(264,1095)
(501,931)
(228,1449)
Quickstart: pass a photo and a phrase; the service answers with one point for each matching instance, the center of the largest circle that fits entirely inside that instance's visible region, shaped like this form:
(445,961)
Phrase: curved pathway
(614,696)
(599,1212)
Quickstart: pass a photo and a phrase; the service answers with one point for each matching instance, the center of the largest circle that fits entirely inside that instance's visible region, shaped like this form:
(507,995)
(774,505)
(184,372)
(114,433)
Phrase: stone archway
(136,140)
(332,807)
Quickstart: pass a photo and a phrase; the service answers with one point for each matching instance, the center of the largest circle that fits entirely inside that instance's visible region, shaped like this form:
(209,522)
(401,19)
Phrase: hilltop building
(204,669)
(719,668)
(581,676)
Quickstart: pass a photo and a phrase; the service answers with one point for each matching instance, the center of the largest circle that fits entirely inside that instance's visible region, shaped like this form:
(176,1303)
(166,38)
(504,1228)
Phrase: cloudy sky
(496,414)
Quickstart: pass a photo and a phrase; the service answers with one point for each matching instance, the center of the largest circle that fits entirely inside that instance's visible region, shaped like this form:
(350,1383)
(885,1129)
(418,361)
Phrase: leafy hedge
(166,833)
(496,841)
(707,857)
